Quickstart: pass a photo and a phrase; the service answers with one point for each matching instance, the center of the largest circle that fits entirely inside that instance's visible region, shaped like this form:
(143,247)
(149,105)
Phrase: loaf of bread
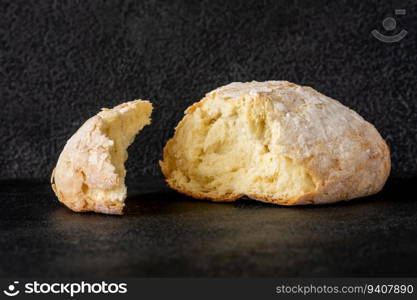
(276,142)
(90,172)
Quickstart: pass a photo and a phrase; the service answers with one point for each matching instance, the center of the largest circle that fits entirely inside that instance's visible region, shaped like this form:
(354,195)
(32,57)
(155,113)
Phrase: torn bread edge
(90,172)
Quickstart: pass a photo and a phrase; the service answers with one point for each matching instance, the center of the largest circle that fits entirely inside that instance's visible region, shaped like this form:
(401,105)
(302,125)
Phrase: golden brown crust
(89,175)
(343,154)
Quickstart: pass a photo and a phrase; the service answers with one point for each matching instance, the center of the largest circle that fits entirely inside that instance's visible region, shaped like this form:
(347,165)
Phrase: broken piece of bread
(276,142)
(90,173)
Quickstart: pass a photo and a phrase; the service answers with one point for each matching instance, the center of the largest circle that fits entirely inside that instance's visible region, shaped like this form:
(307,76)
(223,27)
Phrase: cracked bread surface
(90,172)
(277,142)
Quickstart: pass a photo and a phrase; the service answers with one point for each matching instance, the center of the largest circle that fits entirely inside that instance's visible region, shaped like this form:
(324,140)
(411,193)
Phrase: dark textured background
(61,61)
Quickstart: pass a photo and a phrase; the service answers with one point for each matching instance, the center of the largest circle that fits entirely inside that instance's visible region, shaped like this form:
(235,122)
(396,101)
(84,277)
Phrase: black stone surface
(166,234)
(61,61)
